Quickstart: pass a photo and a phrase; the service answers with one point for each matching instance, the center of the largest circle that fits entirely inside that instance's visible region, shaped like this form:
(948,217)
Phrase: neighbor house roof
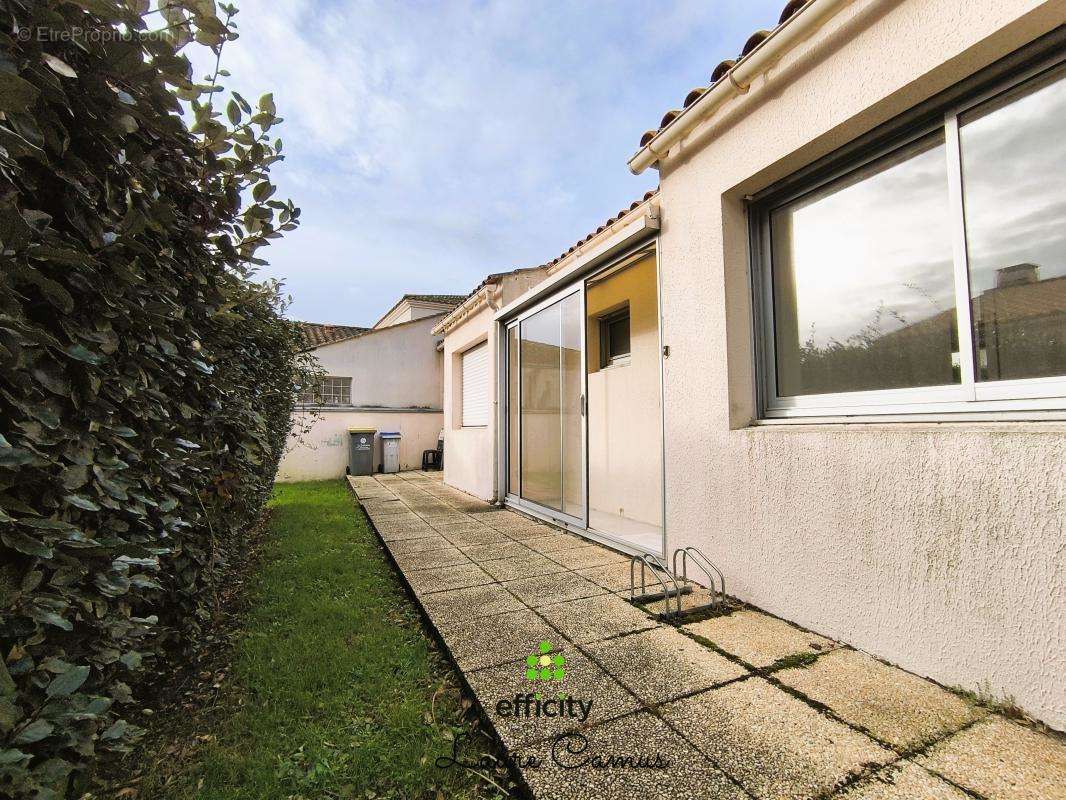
(722,71)
(317,334)
(451,299)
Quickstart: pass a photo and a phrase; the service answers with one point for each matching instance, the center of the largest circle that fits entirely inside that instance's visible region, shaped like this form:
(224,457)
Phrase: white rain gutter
(485,296)
(738,80)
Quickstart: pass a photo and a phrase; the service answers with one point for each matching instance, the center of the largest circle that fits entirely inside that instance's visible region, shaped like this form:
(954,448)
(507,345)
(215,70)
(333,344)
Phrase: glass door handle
(582,405)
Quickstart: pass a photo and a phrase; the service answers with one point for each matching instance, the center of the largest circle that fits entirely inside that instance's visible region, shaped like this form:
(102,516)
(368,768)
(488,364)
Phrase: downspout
(738,80)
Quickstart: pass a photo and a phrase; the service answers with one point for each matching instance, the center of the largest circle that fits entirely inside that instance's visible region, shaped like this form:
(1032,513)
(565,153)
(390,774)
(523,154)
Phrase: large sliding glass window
(550,372)
(931,277)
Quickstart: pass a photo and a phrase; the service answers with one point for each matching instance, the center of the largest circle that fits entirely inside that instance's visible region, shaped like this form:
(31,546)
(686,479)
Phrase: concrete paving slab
(495,551)
(631,758)
(508,520)
(594,618)
(902,781)
(554,542)
(471,537)
(395,533)
(775,745)
(404,546)
(1001,760)
(541,590)
(395,519)
(512,569)
(468,505)
(613,577)
(472,603)
(437,519)
(698,598)
(392,505)
(583,681)
(427,581)
(758,638)
(506,638)
(430,559)
(490,517)
(533,530)
(662,664)
(898,708)
(588,556)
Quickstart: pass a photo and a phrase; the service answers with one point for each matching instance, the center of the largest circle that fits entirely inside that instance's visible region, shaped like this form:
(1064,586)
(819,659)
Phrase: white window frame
(319,392)
(481,421)
(967,397)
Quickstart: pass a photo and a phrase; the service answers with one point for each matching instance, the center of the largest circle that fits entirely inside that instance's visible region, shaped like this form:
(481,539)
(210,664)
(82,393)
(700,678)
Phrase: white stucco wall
(397,381)
(321,452)
(468,452)
(394,367)
(939,547)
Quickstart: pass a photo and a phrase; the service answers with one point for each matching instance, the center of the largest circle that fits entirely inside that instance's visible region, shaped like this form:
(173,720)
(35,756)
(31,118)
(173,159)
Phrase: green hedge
(146,380)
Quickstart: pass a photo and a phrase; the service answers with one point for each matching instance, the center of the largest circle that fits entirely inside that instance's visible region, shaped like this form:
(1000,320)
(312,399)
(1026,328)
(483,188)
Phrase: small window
(929,276)
(330,391)
(474,392)
(614,338)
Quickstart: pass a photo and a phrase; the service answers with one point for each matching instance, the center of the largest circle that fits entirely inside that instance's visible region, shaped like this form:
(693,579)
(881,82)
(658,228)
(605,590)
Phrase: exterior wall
(321,452)
(938,547)
(470,453)
(397,383)
(395,367)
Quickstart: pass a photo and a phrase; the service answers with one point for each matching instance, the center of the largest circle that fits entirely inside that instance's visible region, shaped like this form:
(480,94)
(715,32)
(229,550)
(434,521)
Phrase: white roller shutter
(475,390)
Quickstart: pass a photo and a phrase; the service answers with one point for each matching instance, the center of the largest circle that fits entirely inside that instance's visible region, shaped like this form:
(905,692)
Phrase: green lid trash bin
(361,451)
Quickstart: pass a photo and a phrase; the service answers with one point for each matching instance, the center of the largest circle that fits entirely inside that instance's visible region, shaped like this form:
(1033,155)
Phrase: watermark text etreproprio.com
(79,34)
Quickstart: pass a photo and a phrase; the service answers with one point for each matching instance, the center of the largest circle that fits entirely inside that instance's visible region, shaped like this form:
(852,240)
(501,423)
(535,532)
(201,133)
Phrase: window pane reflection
(541,420)
(862,280)
(1014,168)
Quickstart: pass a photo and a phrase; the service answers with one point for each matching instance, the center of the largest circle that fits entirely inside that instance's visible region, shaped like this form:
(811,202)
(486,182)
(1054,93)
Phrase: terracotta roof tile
(318,334)
(625,211)
(722,70)
(452,299)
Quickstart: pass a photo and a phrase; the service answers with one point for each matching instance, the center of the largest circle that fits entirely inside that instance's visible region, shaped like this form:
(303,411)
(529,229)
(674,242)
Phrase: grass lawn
(336,690)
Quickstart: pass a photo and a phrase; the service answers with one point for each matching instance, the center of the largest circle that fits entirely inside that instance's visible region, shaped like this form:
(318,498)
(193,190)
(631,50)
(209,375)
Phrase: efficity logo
(544,666)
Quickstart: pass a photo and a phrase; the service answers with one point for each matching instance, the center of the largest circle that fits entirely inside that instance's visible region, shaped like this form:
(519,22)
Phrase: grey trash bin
(361,451)
(390,451)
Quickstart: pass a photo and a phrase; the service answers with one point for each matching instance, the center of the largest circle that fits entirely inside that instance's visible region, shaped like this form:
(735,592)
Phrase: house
(388,377)
(828,350)
(470,387)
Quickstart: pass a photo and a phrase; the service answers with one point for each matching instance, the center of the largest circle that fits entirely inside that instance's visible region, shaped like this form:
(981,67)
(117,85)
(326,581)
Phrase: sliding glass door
(545,427)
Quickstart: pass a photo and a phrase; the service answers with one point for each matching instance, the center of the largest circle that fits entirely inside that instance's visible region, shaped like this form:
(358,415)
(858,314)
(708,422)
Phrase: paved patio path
(594,698)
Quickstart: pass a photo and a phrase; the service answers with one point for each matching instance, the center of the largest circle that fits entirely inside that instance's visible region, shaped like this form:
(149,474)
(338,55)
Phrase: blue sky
(430,144)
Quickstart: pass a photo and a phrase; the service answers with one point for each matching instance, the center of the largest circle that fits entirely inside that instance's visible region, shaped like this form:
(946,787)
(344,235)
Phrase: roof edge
(733,78)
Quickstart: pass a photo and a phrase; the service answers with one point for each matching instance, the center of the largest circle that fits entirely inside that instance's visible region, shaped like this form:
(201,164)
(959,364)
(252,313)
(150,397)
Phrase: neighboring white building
(388,378)
(852,396)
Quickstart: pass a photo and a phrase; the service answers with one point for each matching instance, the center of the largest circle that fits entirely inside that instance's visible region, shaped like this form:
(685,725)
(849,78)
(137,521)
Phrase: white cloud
(432,143)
